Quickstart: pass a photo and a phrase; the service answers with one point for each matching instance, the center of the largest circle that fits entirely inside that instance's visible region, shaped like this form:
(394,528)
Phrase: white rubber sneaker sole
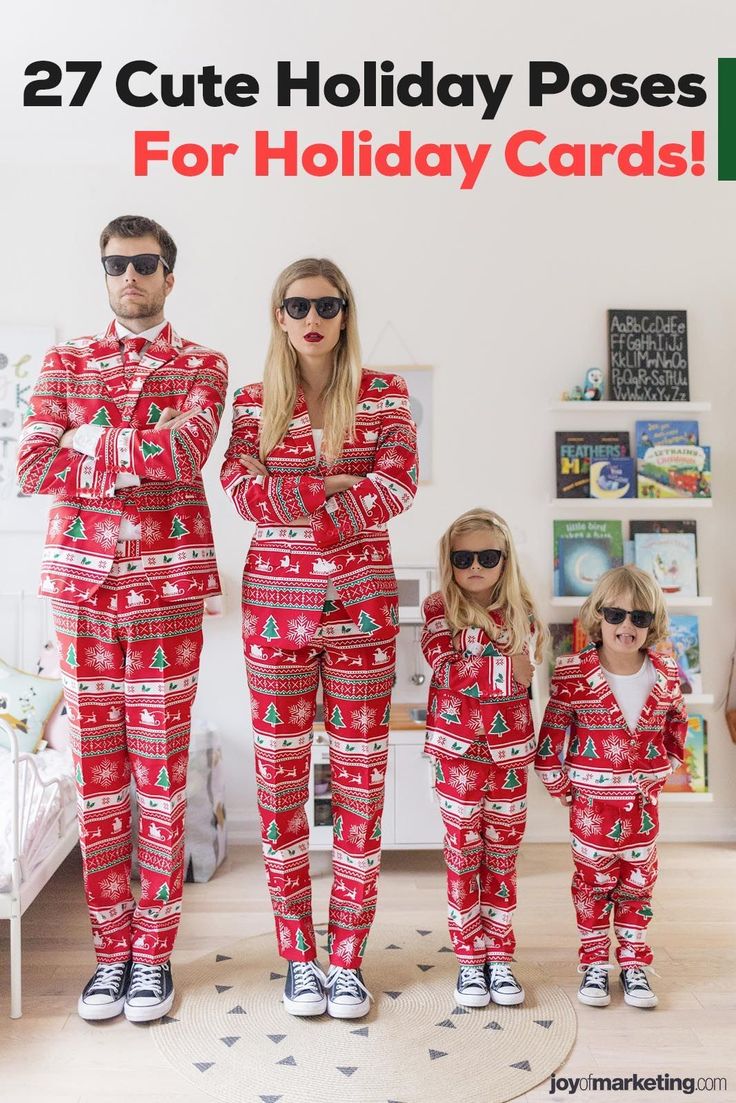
(594,1000)
(348,1010)
(147,1014)
(639,1001)
(96,1012)
(472,999)
(306,1007)
(510,1000)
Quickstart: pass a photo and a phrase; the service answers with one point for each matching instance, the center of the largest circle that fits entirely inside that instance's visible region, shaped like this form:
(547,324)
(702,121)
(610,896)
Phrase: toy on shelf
(593,386)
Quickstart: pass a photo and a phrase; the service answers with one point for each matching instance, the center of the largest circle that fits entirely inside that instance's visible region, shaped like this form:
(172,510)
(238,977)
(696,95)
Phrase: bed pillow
(26,702)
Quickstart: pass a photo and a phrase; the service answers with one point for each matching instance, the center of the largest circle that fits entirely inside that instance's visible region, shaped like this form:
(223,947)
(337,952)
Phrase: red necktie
(132,348)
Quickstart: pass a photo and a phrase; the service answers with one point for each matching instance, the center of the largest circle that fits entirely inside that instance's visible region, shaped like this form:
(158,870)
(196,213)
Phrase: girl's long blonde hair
(510,596)
(281,374)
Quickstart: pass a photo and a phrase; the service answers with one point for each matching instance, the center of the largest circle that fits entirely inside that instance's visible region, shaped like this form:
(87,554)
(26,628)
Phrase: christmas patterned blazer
(289,565)
(473,691)
(604,759)
(83,382)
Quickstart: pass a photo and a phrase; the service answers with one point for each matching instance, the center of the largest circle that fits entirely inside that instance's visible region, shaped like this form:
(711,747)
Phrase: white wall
(503,289)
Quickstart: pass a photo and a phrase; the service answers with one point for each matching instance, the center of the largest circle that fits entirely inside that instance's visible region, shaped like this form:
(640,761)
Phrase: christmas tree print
(336,718)
(337,828)
(301,943)
(589,749)
(645,911)
(102,417)
(270,629)
(378,384)
(76,529)
(413,473)
(512,780)
(159,661)
(647,823)
(163,781)
(574,745)
(652,751)
(178,528)
(71,657)
(79,775)
(503,891)
(329,606)
(438,771)
(616,831)
(386,715)
(393,613)
(61,475)
(545,748)
(150,450)
(499,725)
(473,691)
(366,622)
(330,943)
(450,716)
(163,893)
(272,715)
(154,413)
(272,833)
(376,833)
(363,945)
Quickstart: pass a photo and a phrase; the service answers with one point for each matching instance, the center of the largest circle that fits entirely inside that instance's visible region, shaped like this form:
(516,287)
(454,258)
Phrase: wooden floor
(51,1055)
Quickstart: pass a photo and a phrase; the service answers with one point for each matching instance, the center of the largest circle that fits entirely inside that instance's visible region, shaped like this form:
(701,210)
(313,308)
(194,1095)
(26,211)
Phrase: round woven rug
(229,1034)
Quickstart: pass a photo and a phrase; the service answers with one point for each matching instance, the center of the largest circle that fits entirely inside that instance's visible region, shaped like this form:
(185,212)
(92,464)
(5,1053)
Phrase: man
(119,428)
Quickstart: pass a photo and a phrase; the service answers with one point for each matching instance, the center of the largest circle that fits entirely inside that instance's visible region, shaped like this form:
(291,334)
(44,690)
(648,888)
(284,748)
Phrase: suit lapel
(596,679)
(106,358)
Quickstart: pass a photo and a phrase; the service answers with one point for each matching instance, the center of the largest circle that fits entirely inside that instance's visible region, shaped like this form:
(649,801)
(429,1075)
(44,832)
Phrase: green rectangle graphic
(727,118)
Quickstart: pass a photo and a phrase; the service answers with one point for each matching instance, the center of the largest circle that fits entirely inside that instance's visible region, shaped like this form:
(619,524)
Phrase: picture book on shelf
(683,644)
(583,551)
(576,451)
(670,461)
(661,526)
(692,775)
(670,558)
(613,479)
(566,639)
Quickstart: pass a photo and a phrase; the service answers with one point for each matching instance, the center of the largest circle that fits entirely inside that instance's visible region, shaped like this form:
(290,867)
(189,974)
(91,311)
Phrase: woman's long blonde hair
(510,596)
(281,374)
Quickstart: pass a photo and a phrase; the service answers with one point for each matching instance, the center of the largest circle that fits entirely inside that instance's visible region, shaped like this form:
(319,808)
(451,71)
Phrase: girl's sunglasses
(145,264)
(640,618)
(489,558)
(328,306)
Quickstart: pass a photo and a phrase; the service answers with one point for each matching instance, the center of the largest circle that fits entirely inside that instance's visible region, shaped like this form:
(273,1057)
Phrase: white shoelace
(308,977)
(346,982)
(107,977)
(472,976)
(637,977)
(145,978)
(502,977)
(595,975)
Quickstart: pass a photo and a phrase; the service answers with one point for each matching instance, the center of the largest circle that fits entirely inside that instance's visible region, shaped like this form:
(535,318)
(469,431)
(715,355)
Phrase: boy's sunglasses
(461,560)
(640,618)
(145,264)
(327,306)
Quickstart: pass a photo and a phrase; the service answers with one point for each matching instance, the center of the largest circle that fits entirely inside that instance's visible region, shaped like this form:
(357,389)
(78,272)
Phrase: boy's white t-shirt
(632,690)
(317,435)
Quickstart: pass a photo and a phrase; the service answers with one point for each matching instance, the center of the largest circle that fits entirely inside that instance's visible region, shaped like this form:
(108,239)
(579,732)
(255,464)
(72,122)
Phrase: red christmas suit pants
(129,663)
(615,856)
(483,808)
(357,678)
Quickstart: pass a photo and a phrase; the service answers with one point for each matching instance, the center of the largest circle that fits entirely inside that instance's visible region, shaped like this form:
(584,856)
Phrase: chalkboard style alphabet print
(648,356)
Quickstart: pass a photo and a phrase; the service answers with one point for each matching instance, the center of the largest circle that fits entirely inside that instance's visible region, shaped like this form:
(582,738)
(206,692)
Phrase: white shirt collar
(149,334)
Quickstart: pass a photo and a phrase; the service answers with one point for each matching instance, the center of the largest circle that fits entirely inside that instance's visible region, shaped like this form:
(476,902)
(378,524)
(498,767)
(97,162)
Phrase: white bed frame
(28,786)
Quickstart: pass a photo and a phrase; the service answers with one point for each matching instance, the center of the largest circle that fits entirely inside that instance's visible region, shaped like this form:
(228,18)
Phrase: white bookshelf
(631,407)
(656,505)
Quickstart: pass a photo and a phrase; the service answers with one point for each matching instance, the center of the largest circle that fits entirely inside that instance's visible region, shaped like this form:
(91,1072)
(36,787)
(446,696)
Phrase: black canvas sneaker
(103,997)
(593,989)
(471,989)
(504,987)
(636,988)
(347,995)
(151,992)
(304,991)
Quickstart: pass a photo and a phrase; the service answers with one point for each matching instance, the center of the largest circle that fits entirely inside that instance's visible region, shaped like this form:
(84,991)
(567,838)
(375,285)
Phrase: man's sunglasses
(145,264)
(489,558)
(328,306)
(640,618)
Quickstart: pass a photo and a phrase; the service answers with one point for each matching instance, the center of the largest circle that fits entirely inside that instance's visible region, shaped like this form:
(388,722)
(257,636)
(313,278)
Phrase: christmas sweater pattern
(303,539)
(473,692)
(604,759)
(83,382)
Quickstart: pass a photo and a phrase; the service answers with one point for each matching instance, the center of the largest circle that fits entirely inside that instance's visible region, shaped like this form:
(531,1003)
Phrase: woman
(322,455)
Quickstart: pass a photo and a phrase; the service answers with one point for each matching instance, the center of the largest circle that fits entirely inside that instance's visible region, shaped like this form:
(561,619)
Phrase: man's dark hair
(135,225)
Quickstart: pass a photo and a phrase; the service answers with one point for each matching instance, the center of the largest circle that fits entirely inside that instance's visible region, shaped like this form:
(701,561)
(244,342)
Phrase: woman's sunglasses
(489,558)
(145,264)
(640,618)
(328,306)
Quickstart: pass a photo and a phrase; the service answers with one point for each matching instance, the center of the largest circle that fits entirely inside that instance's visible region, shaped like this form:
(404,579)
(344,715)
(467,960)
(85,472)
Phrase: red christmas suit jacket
(605,759)
(289,565)
(83,382)
(465,677)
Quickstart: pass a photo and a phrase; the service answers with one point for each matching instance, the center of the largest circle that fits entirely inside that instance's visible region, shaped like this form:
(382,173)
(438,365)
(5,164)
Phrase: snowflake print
(179,769)
(156,472)
(469,667)
(186,653)
(297,823)
(52,409)
(301,712)
(300,630)
(142,774)
(55,526)
(615,749)
(364,719)
(357,833)
(463,778)
(625,830)
(99,658)
(457,893)
(133,661)
(249,623)
(200,525)
(585,907)
(587,821)
(106,773)
(106,533)
(521,715)
(146,887)
(390,458)
(151,530)
(285,939)
(347,948)
(254,710)
(198,396)
(114,886)
(476,722)
(76,414)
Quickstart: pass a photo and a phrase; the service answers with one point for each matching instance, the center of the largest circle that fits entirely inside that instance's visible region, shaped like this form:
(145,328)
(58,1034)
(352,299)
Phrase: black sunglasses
(327,306)
(461,560)
(640,618)
(145,264)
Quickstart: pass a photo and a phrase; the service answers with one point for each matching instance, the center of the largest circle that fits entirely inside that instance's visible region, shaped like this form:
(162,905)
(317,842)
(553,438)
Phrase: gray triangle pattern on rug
(362,1032)
(270,1098)
(223,988)
(223,957)
(448,1022)
(237,1010)
(276,1038)
(522,1065)
(231,1040)
(425,968)
(493,1026)
(204,1065)
(544,1022)
(435,1053)
(348,1071)
(287,1061)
